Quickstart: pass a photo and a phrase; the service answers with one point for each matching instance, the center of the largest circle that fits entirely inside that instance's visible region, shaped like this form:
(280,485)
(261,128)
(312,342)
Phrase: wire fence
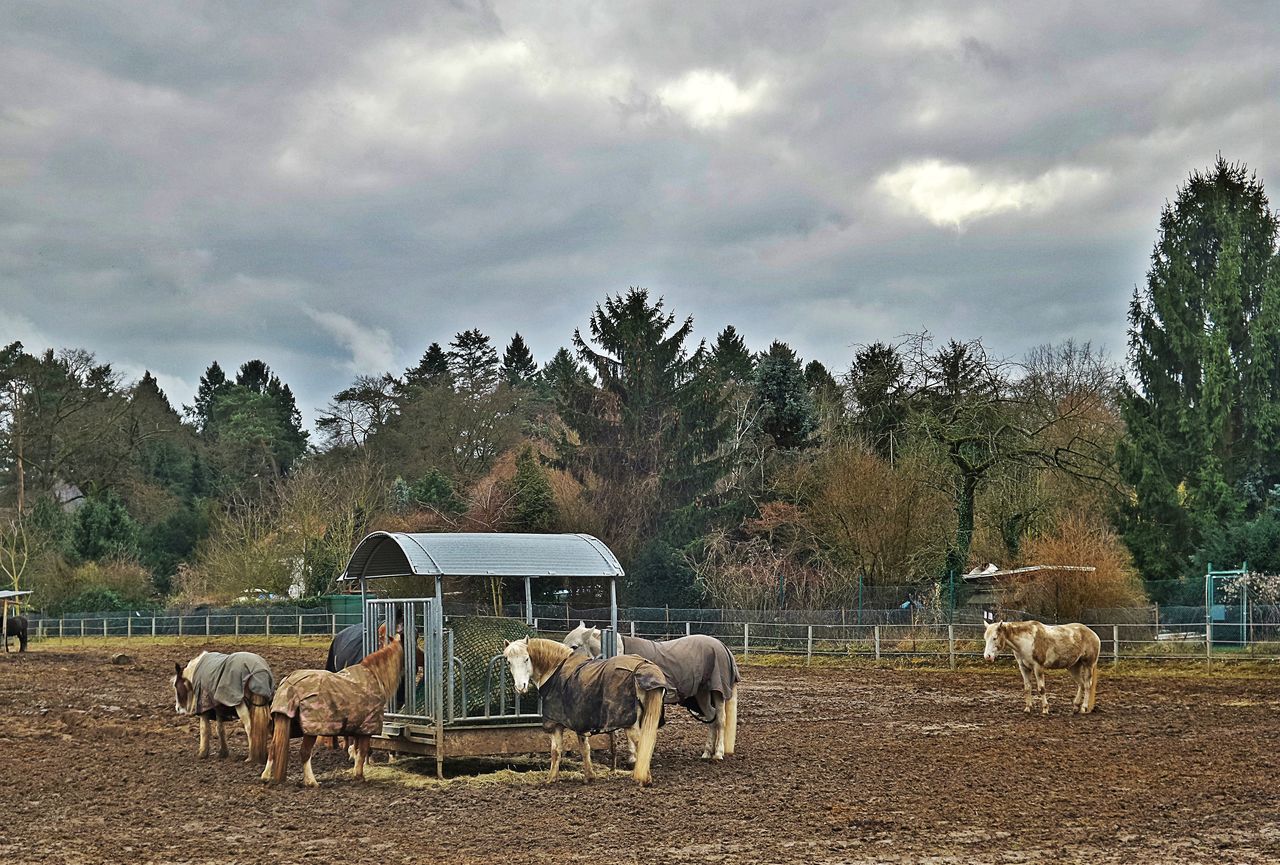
(1178,634)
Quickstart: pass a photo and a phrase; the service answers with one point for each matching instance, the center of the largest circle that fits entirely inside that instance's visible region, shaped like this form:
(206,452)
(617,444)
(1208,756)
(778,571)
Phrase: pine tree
(518,366)
(730,358)
(212,384)
(877,381)
(534,503)
(786,408)
(1203,416)
(432,369)
(561,373)
(473,363)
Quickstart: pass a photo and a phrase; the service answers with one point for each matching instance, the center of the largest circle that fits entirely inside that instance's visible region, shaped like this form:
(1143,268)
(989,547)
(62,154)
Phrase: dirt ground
(834,765)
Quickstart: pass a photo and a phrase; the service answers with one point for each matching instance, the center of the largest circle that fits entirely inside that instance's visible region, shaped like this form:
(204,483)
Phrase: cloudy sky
(331,186)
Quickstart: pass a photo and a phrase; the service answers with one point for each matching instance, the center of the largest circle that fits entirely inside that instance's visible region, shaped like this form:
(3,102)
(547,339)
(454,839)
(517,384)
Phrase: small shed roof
(993,572)
(393,554)
(9,595)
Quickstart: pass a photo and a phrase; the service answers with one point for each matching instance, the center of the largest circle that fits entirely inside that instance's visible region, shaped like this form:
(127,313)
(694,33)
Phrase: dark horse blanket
(16,627)
(691,664)
(589,696)
(221,681)
(346,649)
(322,703)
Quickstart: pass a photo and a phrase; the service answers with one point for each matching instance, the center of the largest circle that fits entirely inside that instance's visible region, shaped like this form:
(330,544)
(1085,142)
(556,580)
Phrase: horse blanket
(346,649)
(691,664)
(16,626)
(321,703)
(589,696)
(222,680)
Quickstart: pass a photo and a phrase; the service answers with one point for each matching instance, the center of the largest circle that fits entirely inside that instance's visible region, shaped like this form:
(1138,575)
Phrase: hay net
(481,684)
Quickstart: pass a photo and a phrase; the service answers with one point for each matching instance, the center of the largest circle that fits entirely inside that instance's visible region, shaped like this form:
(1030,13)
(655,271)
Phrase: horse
(16,626)
(347,649)
(585,696)
(701,669)
(1037,647)
(218,687)
(312,703)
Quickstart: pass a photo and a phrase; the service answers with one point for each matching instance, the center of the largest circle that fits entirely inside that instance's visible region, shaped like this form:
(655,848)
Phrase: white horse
(1037,647)
(700,668)
(585,696)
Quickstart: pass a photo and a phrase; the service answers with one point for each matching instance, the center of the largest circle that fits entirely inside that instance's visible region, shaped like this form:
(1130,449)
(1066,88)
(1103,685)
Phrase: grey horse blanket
(223,680)
(691,664)
(321,703)
(589,696)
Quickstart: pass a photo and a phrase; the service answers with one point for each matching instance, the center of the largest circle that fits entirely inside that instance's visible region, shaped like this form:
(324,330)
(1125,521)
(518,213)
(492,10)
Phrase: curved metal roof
(475,554)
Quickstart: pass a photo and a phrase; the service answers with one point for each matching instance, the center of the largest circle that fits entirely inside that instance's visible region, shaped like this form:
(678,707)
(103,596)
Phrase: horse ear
(177,668)
(506,643)
(595,632)
(582,624)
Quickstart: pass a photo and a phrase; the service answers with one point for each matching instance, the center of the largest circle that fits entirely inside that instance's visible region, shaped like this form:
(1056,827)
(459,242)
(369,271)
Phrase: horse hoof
(706,755)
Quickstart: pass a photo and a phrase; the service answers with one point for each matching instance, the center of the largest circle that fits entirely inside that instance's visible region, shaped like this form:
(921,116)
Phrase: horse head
(994,636)
(184,692)
(584,640)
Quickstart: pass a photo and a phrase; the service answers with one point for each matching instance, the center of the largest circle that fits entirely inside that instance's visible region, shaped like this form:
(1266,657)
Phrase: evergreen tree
(877,382)
(518,366)
(562,373)
(534,504)
(212,384)
(432,369)
(730,358)
(651,423)
(104,529)
(786,409)
(1203,415)
(473,364)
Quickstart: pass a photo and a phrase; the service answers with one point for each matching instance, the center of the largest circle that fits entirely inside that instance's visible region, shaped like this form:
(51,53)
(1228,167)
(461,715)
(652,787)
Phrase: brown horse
(312,703)
(1037,647)
(218,687)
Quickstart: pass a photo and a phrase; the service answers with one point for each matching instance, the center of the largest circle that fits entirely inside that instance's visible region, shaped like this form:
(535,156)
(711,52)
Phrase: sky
(332,186)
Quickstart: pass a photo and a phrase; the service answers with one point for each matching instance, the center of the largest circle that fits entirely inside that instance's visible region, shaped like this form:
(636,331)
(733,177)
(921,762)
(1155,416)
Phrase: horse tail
(731,722)
(652,714)
(280,724)
(259,729)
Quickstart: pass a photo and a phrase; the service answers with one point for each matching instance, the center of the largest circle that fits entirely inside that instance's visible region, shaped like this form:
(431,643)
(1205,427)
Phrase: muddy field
(834,765)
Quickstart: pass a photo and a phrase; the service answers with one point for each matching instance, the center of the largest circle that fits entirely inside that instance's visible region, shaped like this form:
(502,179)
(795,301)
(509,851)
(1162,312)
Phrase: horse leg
(588,772)
(1091,697)
(222,738)
(1044,695)
(1080,676)
(557,741)
(362,754)
(633,740)
(1026,687)
(714,707)
(204,738)
(308,777)
(242,712)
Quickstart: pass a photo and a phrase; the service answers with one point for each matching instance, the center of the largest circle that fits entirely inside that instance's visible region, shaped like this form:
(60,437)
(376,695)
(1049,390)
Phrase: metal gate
(420,698)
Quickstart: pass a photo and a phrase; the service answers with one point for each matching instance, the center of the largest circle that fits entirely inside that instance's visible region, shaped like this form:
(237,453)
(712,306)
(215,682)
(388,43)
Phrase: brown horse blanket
(589,696)
(224,680)
(691,664)
(346,703)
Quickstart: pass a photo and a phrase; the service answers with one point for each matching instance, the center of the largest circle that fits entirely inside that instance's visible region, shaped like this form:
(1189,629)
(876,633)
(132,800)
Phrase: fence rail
(819,638)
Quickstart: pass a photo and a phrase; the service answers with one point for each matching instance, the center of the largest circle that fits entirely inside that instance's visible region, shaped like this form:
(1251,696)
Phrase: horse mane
(387,665)
(545,654)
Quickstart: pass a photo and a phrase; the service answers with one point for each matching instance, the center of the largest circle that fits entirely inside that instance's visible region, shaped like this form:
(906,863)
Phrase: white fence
(933,643)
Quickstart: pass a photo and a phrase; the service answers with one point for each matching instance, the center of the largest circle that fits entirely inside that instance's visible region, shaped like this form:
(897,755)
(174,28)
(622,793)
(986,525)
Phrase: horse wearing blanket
(218,687)
(1037,647)
(586,696)
(702,671)
(312,703)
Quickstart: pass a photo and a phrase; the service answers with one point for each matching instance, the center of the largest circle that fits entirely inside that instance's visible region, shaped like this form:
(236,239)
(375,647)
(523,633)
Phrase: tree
(561,374)
(357,413)
(787,412)
(1203,414)
(650,426)
(103,529)
(212,384)
(730,358)
(518,366)
(432,369)
(473,364)
(877,382)
(533,505)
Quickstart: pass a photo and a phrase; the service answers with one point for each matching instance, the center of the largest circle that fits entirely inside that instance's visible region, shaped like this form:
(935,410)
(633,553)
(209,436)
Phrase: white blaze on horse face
(517,655)
(993,639)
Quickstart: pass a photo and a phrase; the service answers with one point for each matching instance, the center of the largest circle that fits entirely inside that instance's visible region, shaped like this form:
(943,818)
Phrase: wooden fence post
(875,636)
(808,650)
(104,626)
(687,630)
(334,626)
(268,629)
(237,624)
(128,630)
(633,627)
(153,626)
(1115,644)
(207,630)
(179,624)
(951,644)
(746,638)
(61,622)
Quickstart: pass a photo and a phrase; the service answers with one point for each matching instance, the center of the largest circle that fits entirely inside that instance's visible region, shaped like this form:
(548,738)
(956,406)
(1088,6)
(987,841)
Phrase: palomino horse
(1038,647)
(700,668)
(585,696)
(312,703)
(16,626)
(218,687)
